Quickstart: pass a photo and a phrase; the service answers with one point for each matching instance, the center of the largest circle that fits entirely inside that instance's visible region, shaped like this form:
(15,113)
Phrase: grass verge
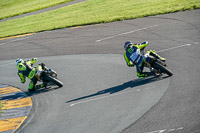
(93,12)
(11,8)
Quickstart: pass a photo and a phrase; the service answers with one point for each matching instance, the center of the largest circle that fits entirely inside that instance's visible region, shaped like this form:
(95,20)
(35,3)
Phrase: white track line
(167,131)
(180,128)
(171,130)
(174,47)
(2,43)
(158,131)
(94,99)
(125,33)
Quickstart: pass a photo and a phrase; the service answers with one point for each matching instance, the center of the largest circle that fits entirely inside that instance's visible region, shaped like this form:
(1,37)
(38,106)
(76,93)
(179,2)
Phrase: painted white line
(171,130)
(98,98)
(6,64)
(174,47)
(164,130)
(158,131)
(14,40)
(2,43)
(125,33)
(180,128)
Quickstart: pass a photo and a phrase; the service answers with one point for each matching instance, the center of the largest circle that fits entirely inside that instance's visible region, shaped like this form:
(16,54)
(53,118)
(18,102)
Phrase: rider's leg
(153,53)
(140,73)
(32,84)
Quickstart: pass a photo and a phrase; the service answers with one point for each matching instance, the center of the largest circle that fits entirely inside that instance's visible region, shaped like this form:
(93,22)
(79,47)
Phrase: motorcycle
(156,66)
(48,77)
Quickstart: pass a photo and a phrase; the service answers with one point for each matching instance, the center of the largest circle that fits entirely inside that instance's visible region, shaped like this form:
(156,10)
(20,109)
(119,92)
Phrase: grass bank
(93,12)
(11,8)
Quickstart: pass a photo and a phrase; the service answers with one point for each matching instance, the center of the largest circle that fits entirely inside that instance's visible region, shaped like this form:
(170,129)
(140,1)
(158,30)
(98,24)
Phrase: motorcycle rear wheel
(54,80)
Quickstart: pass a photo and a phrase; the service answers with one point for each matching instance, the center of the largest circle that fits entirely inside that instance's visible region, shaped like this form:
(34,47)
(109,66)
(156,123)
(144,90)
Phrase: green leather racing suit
(26,69)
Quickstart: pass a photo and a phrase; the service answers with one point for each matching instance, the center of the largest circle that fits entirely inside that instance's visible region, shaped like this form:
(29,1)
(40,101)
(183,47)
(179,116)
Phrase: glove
(34,59)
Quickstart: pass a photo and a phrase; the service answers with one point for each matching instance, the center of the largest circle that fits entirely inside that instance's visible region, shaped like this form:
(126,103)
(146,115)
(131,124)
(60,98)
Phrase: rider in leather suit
(133,57)
(26,69)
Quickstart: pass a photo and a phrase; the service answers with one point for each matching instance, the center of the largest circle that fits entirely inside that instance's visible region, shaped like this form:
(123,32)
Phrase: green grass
(11,8)
(93,12)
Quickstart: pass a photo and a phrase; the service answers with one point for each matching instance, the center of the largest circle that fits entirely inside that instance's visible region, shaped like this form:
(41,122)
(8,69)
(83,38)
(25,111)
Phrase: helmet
(19,61)
(127,44)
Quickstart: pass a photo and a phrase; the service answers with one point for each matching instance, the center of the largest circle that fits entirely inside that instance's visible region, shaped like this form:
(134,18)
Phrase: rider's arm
(32,61)
(22,77)
(142,45)
(128,62)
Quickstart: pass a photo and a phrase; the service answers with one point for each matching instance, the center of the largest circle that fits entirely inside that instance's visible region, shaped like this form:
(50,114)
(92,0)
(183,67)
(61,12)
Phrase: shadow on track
(115,89)
(42,90)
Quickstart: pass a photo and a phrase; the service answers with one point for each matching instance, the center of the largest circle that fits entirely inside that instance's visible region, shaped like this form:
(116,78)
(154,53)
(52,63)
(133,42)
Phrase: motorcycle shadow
(42,90)
(115,89)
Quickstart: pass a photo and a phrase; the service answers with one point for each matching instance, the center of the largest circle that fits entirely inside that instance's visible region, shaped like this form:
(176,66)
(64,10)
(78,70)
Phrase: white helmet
(18,61)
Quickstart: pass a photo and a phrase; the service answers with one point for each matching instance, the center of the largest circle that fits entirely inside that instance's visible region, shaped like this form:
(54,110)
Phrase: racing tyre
(53,80)
(162,69)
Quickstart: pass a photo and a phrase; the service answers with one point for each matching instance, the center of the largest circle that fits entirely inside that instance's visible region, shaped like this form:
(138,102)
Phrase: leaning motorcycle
(48,77)
(156,66)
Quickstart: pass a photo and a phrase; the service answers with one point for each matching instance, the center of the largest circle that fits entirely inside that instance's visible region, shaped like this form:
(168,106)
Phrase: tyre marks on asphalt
(16,106)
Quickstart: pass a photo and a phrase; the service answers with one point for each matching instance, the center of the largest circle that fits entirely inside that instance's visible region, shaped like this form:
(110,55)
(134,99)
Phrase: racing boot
(31,90)
(40,86)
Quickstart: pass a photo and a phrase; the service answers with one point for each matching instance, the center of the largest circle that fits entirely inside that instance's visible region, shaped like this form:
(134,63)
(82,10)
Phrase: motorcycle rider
(133,57)
(26,69)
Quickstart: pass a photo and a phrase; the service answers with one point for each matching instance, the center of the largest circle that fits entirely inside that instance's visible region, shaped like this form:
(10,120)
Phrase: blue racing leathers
(133,57)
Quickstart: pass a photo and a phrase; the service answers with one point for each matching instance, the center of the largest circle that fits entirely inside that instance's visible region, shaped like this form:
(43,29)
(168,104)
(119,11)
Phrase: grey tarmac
(101,94)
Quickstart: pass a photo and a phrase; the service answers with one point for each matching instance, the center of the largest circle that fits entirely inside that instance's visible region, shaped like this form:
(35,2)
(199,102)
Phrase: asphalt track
(100,93)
